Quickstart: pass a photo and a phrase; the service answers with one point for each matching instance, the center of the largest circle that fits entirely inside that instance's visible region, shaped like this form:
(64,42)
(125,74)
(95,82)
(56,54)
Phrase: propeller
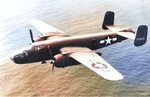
(31,35)
(53,61)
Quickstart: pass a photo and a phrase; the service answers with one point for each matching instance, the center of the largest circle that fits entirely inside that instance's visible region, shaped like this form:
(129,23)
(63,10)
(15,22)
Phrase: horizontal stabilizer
(108,19)
(141,35)
(129,35)
(115,28)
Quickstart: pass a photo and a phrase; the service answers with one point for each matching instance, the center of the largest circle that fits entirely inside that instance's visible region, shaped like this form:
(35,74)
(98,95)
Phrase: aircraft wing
(44,28)
(94,62)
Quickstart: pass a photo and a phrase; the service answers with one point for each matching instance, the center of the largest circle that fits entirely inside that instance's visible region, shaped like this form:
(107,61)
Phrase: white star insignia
(108,40)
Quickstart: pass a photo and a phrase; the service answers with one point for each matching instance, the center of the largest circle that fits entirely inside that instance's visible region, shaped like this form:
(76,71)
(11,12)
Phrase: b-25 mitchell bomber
(65,50)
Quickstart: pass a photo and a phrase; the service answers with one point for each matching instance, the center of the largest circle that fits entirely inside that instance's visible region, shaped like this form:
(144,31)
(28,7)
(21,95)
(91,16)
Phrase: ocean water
(76,17)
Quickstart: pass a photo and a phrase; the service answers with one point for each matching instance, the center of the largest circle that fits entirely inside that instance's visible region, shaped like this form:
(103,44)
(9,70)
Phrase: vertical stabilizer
(108,19)
(141,35)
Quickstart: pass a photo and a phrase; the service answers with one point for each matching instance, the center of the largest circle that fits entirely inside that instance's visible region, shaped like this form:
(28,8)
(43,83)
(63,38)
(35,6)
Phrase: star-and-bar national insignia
(99,65)
(108,40)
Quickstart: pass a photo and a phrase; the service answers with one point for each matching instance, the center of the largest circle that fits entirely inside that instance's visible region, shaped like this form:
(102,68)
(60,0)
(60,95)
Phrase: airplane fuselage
(46,49)
(92,41)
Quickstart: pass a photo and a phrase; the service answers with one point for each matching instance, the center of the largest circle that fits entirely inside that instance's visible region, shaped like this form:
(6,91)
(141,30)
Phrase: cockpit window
(38,47)
(25,53)
(19,55)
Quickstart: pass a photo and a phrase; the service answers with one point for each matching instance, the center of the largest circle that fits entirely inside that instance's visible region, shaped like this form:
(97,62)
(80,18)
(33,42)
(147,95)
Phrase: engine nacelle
(64,60)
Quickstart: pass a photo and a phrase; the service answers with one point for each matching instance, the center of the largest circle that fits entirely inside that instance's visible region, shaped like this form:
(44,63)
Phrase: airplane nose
(12,58)
(23,55)
(19,58)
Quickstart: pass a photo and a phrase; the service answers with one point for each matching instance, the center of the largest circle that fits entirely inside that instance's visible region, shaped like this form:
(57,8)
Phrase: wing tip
(33,20)
(114,78)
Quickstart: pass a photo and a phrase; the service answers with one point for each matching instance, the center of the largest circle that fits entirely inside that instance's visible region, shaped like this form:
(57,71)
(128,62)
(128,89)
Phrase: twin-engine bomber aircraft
(65,50)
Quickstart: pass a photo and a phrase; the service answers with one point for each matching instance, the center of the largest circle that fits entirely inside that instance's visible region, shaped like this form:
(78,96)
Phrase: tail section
(108,19)
(141,35)
(139,39)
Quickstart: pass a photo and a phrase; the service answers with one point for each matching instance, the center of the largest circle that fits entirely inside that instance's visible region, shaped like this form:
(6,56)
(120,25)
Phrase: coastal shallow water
(74,18)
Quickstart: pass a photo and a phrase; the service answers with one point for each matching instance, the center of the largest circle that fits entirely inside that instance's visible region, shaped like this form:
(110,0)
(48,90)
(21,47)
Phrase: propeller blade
(53,68)
(31,35)
(52,62)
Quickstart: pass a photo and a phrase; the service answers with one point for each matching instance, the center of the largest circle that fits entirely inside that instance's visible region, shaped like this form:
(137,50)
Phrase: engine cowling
(99,53)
